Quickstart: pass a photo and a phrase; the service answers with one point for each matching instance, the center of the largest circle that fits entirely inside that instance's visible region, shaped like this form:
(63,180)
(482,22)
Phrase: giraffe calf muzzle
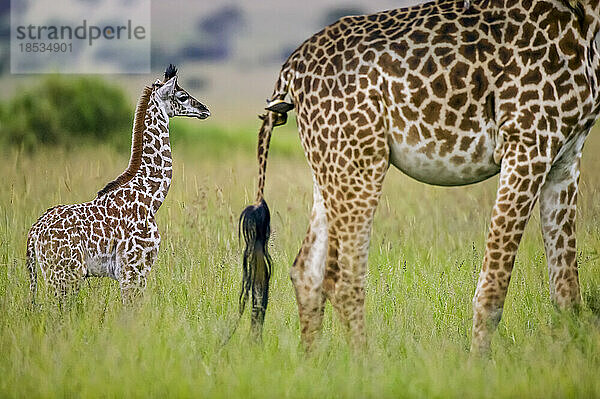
(203,115)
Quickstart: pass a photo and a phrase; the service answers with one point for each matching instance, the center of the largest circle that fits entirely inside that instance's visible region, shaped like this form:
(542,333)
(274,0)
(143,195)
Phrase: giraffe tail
(30,255)
(256,263)
(255,227)
(255,220)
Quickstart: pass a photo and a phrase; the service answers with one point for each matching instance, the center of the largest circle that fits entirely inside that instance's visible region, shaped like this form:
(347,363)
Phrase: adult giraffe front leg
(522,175)
(558,209)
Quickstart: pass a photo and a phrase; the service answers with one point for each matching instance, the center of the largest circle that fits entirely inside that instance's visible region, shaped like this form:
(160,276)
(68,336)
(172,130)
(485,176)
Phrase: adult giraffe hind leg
(308,271)
(521,178)
(349,239)
(351,191)
(558,209)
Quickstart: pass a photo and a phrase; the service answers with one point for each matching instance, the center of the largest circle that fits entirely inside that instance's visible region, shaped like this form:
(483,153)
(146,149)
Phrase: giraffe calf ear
(167,89)
(279,106)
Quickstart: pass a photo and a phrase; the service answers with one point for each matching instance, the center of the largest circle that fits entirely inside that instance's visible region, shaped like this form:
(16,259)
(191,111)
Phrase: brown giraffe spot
(468,123)
(418,97)
(413,62)
(450,118)
(445,34)
(477,156)
(465,143)
(448,140)
(428,149)
(470,36)
(414,82)
(485,48)
(505,55)
(443,51)
(397,88)
(458,73)
(525,120)
(541,8)
(527,96)
(412,137)
(431,112)
(527,31)
(532,77)
(494,68)
(570,47)
(479,83)
(439,86)
(419,37)
(457,160)
(400,48)
(556,22)
(531,56)
(510,32)
(409,114)
(391,66)
(429,67)
(469,51)
(569,105)
(432,22)
(457,101)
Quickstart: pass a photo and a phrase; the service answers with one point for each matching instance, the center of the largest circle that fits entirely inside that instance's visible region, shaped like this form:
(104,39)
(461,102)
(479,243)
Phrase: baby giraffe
(115,235)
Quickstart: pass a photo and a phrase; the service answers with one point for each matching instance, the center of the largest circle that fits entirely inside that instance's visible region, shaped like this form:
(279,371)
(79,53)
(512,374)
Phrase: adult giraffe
(115,234)
(451,95)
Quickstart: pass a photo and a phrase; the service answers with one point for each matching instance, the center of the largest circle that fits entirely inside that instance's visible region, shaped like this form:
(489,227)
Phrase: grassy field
(425,255)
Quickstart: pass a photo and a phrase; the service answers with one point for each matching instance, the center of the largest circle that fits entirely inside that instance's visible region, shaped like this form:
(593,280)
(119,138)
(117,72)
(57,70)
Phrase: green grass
(425,255)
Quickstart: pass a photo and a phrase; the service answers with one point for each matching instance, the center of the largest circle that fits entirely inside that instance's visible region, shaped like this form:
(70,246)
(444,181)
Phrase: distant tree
(217,31)
(63,111)
(223,23)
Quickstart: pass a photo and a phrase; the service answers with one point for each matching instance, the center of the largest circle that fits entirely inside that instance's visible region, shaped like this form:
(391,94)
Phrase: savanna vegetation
(425,256)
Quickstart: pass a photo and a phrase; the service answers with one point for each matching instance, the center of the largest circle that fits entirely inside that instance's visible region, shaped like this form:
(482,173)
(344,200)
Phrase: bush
(62,111)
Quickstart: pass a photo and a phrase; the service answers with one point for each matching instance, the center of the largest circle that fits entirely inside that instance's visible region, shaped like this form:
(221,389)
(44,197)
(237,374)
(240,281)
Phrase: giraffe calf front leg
(558,209)
(132,277)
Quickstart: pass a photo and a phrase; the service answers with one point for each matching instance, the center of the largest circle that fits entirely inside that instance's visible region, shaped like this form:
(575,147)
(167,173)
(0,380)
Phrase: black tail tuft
(254,226)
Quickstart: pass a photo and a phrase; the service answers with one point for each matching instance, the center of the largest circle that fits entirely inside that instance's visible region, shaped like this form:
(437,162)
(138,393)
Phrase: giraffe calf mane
(136,145)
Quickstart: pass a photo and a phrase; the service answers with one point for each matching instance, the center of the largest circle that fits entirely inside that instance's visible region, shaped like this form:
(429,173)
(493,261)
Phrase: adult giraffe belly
(442,157)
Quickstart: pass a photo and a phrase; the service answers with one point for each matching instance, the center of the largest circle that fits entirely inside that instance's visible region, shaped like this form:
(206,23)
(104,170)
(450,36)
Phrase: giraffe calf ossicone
(115,235)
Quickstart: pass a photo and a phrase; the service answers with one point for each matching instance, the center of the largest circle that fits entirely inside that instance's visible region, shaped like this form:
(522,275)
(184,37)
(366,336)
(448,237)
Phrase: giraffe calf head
(175,100)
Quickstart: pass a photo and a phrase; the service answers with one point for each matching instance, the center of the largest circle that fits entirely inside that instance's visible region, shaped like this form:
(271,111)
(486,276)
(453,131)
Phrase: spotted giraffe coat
(115,235)
(451,94)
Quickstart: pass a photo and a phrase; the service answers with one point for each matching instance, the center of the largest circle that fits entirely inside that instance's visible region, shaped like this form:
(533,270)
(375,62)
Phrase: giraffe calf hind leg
(64,270)
(558,209)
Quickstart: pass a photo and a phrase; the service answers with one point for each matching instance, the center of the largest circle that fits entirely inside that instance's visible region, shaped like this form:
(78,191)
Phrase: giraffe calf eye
(183,97)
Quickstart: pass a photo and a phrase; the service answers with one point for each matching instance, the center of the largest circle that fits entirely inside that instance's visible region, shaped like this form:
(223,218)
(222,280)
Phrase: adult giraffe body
(450,95)
(115,235)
